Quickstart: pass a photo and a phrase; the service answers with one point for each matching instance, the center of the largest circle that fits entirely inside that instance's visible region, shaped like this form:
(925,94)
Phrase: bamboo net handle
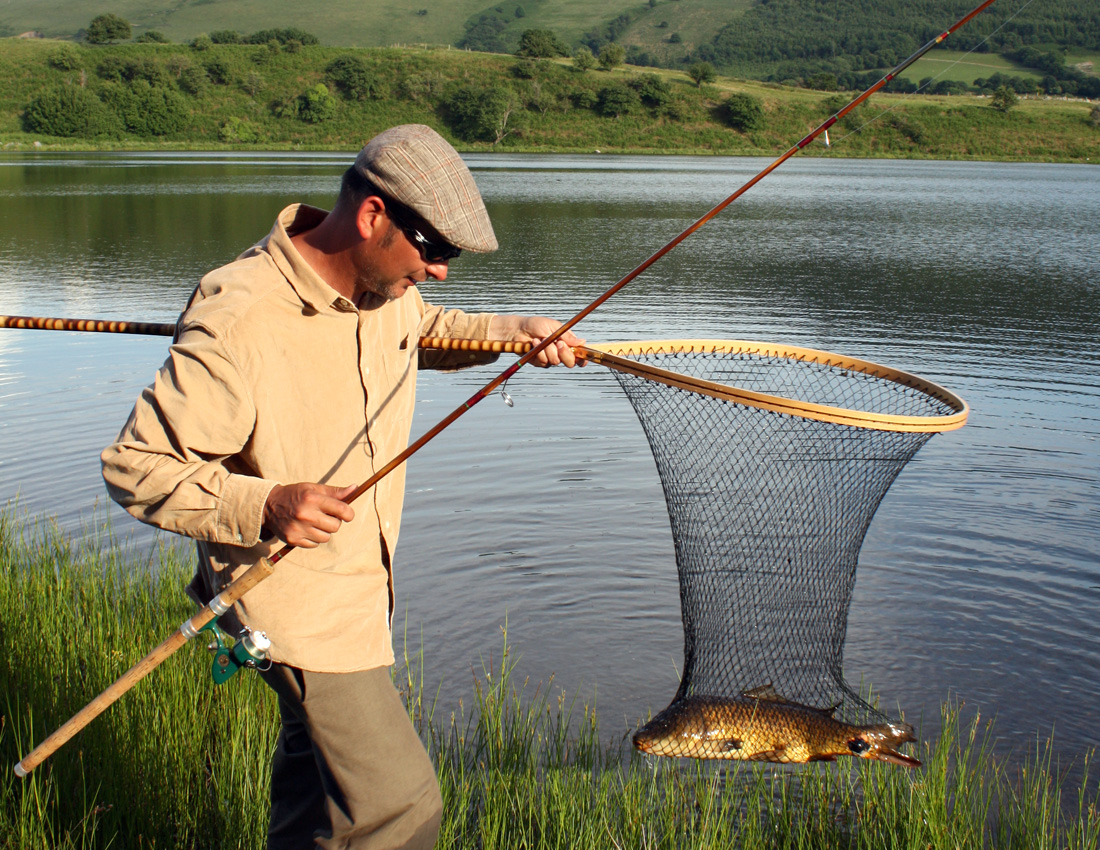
(46,323)
(190,628)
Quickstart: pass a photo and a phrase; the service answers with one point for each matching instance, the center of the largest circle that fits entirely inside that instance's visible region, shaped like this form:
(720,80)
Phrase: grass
(181,763)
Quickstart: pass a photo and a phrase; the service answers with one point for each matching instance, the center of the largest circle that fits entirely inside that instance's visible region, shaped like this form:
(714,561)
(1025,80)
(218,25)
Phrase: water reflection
(980,576)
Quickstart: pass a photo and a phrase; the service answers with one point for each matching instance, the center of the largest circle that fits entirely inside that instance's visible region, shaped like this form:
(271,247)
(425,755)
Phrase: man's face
(392,263)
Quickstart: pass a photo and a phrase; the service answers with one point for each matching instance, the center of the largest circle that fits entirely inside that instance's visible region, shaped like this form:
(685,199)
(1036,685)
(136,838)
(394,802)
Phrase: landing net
(773,460)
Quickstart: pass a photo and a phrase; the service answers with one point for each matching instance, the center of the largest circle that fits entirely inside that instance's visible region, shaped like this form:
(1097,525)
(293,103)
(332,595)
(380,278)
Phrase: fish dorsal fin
(765,692)
(768,693)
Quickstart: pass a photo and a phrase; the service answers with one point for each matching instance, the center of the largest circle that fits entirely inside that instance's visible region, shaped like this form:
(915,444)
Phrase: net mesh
(768,509)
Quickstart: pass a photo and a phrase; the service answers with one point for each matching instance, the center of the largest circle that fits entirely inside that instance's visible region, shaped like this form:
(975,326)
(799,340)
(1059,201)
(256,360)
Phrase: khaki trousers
(349,771)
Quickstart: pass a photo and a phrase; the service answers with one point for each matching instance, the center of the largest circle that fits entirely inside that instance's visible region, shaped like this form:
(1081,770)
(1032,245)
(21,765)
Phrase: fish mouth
(642,743)
(893,757)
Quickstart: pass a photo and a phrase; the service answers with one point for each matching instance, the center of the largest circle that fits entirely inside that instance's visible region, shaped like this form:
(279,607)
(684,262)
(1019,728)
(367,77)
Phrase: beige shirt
(275,379)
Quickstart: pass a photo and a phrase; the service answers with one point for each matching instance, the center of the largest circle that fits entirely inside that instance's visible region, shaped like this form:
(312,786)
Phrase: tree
(482,114)
(702,72)
(743,112)
(107,28)
(583,60)
(1004,99)
(541,44)
(1094,116)
(611,56)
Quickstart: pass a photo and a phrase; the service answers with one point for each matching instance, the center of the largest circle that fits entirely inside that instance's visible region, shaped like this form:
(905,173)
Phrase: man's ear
(369,216)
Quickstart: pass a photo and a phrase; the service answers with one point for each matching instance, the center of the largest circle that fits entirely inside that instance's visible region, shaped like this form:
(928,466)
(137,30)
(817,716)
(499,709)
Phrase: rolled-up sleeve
(177,464)
(454,324)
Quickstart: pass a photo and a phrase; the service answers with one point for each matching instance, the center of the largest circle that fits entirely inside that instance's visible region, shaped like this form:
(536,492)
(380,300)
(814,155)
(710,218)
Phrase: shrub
(316,104)
(69,111)
(107,28)
(236,130)
(743,112)
(1094,116)
(194,80)
(702,72)
(148,69)
(675,38)
(282,36)
(611,56)
(822,82)
(541,44)
(146,110)
(353,77)
(1004,99)
(482,114)
(584,99)
(152,37)
(201,43)
(253,83)
(218,70)
(227,37)
(111,69)
(653,91)
(614,101)
(424,85)
(583,60)
(285,107)
(66,58)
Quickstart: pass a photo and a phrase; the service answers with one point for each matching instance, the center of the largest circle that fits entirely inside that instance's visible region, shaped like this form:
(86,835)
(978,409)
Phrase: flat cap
(416,166)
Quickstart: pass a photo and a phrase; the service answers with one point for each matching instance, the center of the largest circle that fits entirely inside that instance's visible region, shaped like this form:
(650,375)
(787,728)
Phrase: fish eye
(858,746)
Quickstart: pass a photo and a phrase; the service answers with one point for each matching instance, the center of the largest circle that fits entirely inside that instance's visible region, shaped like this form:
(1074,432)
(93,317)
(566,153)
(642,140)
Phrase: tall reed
(182,763)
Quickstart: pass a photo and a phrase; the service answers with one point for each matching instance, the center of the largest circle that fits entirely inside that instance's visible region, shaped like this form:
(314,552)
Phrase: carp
(760,725)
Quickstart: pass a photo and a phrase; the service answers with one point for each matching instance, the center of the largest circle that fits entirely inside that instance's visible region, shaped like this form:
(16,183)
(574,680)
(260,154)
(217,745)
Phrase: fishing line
(907,95)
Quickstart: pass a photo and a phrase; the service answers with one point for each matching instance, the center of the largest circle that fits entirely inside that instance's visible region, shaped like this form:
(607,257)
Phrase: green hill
(761,39)
(55,94)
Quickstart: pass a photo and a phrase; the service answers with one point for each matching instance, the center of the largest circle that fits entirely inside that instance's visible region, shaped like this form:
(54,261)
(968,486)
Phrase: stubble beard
(370,279)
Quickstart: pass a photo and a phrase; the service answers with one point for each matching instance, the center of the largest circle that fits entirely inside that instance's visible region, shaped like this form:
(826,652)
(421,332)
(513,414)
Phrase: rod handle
(217,606)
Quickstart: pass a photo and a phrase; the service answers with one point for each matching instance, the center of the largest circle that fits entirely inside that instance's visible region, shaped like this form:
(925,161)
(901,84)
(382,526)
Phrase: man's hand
(535,329)
(306,515)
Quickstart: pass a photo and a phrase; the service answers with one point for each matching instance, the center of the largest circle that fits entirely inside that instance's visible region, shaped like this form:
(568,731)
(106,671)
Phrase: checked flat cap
(416,166)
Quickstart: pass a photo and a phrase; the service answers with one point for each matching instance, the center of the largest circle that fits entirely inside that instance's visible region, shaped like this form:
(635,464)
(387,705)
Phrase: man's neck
(326,251)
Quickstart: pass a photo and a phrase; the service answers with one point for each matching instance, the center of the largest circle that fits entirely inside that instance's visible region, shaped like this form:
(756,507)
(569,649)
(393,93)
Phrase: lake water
(980,577)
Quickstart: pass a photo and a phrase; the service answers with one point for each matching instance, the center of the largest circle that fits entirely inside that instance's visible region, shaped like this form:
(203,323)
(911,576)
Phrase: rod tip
(20,772)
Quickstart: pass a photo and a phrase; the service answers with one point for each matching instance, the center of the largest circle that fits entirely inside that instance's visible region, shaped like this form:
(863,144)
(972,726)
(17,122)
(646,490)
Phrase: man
(291,381)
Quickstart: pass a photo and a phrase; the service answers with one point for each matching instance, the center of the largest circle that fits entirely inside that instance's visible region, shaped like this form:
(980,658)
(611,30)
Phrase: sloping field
(964,67)
(377,23)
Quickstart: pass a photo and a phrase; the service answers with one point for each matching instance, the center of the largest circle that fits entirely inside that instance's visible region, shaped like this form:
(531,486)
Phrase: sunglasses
(430,252)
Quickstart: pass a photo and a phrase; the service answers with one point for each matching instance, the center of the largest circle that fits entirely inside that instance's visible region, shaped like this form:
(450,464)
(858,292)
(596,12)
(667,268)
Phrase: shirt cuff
(241,510)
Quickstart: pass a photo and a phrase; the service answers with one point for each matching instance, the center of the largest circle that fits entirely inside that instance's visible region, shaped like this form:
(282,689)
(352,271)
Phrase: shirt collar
(310,287)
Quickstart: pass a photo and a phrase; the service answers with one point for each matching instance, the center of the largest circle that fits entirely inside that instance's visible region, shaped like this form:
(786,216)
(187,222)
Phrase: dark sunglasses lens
(434,252)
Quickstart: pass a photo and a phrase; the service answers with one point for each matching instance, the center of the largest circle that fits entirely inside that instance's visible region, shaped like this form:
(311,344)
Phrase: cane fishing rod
(265,566)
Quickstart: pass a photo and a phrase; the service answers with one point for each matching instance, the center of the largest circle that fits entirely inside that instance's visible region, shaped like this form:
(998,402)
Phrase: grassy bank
(255,97)
(181,763)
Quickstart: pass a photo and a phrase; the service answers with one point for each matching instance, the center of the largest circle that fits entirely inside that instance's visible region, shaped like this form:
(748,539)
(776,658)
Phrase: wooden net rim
(615,355)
